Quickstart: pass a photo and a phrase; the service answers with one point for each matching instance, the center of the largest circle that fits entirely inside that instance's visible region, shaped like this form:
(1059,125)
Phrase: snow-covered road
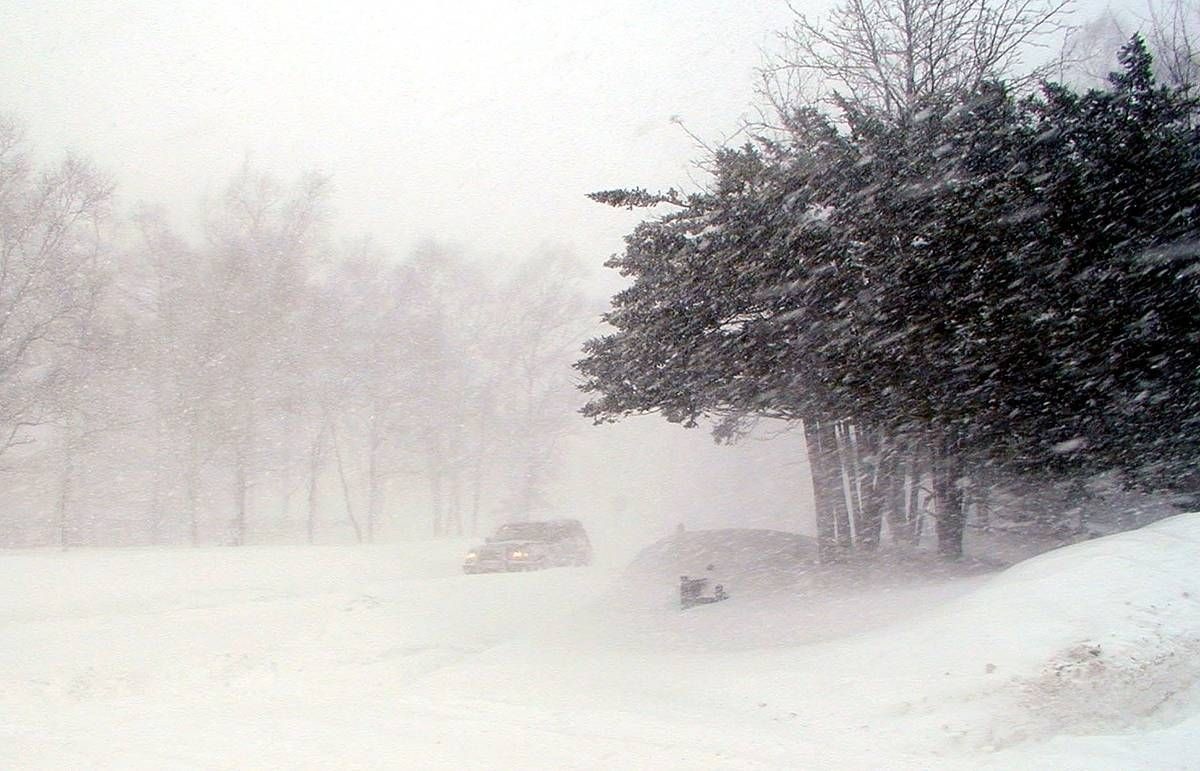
(387,657)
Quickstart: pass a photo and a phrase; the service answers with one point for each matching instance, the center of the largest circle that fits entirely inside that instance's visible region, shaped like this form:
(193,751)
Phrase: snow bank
(1100,636)
(751,558)
(781,595)
(1056,655)
(1093,639)
(389,657)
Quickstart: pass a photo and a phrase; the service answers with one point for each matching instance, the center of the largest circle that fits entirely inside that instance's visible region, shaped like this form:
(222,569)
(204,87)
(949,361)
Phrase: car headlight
(471,556)
(518,554)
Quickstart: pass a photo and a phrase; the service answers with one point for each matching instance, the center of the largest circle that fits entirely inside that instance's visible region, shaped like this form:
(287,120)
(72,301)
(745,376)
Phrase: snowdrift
(1086,657)
(783,595)
(1089,640)
(762,558)
(1090,654)
(1095,638)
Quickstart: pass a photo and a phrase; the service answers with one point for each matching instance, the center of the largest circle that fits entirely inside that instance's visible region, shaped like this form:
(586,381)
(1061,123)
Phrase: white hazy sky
(481,124)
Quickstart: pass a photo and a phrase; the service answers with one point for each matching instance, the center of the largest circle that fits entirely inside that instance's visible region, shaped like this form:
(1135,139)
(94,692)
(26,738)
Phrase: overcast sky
(481,124)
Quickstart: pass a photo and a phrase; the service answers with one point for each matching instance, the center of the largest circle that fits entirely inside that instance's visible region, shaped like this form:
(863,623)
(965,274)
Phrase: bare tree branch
(894,55)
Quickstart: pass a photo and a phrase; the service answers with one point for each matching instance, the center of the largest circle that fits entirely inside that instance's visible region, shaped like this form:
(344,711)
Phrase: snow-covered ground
(386,657)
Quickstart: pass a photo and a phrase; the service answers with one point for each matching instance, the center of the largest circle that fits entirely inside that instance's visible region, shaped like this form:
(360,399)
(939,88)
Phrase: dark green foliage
(1123,199)
(635,198)
(1000,281)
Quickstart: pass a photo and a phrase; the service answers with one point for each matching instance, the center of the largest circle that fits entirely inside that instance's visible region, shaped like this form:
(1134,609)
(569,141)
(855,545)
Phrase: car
(519,546)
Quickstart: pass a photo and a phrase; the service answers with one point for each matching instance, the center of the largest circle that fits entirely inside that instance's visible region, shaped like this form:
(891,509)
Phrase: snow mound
(1096,638)
(1100,636)
(1059,653)
(779,595)
(776,566)
(1087,657)
(744,558)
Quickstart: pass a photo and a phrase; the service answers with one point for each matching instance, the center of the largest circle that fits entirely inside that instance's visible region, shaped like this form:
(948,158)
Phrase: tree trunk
(455,514)
(949,500)
(243,443)
(817,465)
(478,462)
(374,488)
(912,514)
(982,499)
(62,508)
(285,476)
(435,492)
(434,462)
(314,471)
(1080,504)
(155,515)
(856,472)
(476,493)
(843,532)
(337,456)
(874,461)
(192,485)
(156,505)
(238,528)
(829,495)
(894,494)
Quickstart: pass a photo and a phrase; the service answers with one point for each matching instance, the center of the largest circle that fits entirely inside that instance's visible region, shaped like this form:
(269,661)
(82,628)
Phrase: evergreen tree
(987,280)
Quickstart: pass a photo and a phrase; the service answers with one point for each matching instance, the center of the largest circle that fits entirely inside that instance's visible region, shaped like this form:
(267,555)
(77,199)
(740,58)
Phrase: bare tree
(545,316)
(894,55)
(1172,34)
(158,288)
(171,389)
(265,243)
(449,326)
(51,273)
(365,317)
(1089,51)
(1171,29)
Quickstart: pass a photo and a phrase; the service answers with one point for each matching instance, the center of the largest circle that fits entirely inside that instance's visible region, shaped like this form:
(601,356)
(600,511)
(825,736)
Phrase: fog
(685,384)
(482,124)
(479,128)
(476,127)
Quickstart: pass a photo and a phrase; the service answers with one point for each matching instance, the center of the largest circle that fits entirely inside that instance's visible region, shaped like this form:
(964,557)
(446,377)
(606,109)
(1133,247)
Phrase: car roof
(547,526)
(544,522)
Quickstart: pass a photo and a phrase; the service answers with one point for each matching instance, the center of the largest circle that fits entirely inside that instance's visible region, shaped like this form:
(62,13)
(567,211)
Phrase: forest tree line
(264,378)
